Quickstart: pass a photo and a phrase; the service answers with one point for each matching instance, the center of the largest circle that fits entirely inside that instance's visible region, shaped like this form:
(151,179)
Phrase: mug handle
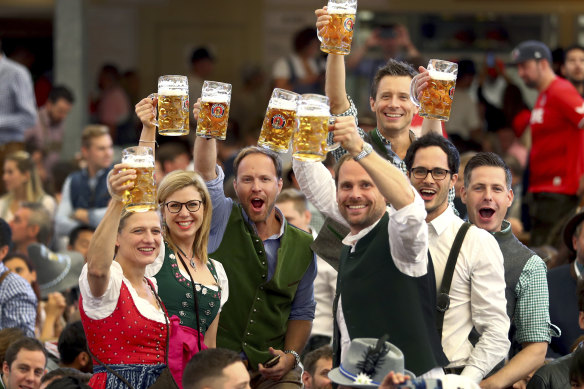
(335,145)
(413,87)
(153,96)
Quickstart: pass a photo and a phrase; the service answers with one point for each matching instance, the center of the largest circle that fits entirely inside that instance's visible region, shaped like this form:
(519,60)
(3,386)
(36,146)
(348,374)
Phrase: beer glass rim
(314,96)
(134,149)
(216,83)
(452,66)
(286,91)
(173,76)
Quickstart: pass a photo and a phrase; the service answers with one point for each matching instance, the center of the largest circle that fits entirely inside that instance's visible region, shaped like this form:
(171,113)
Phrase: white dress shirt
(477,296)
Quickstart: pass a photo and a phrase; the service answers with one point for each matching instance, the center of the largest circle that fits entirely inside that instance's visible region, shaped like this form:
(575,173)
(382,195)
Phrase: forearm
(431,126)
(529,359)
(297,334)
(148,138)
(205,157)
(335,83)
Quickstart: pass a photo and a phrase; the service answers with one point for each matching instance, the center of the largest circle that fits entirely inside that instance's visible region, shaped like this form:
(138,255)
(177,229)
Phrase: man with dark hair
(215,368)
(384,261)
(476,294)
(72,348)
(573,67)
(79,239)
(18,302)
(488,195)
(24,364)
(202,64)
(269,263)
(31,224)
(317,365)
(65,378)
(172,156)
(557,122)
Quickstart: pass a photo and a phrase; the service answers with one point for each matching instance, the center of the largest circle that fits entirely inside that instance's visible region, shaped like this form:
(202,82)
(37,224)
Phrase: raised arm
(102,246)
(146,112)
(335,71)
(204,152)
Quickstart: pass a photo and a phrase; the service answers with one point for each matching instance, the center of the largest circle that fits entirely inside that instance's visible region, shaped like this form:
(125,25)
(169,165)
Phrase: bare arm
(211,333)
(102,246)
(204,152)
(335,72)
(391,182)
(529,359)
(146,112)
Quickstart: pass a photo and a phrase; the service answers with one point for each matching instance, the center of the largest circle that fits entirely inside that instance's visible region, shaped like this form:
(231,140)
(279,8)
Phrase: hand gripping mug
(437,98)
(337,36)
(173,105)
(142,197)
(215,98)
(280,121)
(310,136)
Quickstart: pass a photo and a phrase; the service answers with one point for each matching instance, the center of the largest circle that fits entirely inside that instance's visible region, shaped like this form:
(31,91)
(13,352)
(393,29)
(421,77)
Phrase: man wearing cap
(18,302)
(562,283)
(557,156)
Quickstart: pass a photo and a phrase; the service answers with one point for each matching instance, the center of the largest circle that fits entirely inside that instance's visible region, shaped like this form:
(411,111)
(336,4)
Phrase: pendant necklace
(191,261)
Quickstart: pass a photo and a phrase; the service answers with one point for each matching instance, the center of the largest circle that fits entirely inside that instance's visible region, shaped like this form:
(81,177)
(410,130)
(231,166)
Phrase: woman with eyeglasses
(186,218)
(23,184)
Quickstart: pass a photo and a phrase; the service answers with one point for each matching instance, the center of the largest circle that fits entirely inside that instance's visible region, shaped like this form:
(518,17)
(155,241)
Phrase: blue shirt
(18,303)
(303,305)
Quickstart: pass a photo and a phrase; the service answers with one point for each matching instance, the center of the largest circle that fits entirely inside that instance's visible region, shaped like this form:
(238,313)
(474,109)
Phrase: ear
(306,380)
(3,251)
(510,197)
(453,181)
(235,184)
(280,184)
(308,216)
(463,194)
(33,230)
(580,321)
(372,104)
(82,359)
(6,368)
(34,275)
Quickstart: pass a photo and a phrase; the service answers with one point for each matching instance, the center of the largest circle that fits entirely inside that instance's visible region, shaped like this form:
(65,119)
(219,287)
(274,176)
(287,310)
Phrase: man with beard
(556,161)
(573,67)
(476,296)
(384,255)
(488,195)
(269,264)
(317,365)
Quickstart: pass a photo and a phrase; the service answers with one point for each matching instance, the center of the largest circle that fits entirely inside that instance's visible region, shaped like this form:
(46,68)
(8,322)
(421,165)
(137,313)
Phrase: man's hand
(55,305)
(284,365)
(392,380)
(146,112)
(345,132)
(197,109)
(82,215)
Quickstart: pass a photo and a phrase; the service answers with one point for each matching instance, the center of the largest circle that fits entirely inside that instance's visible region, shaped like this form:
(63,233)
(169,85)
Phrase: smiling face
(139,239)
(487,197)
(433,192)
(26,370)
(392,105)
(257,186)
(183,226)
(359,200)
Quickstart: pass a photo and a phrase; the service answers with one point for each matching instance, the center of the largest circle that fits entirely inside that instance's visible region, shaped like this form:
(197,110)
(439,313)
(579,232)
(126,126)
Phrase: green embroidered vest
(255,316)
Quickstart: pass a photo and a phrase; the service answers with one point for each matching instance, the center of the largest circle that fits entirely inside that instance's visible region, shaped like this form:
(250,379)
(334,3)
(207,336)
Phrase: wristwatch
(296,357)
(367,149)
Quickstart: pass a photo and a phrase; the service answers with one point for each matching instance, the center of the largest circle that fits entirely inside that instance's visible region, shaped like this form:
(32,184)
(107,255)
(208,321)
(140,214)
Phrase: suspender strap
(443,299)
(378,145)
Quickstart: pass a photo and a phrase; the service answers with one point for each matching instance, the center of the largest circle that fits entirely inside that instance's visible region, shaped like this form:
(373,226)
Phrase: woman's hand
(120,179)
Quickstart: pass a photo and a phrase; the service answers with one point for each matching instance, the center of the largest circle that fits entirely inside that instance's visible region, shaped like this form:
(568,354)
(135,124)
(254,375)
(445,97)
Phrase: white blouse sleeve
(223,283)
(102,306)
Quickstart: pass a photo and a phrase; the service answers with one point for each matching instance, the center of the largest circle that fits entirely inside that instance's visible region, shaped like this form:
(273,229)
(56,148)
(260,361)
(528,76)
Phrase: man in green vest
(384,254)
(487,194)
(269,264)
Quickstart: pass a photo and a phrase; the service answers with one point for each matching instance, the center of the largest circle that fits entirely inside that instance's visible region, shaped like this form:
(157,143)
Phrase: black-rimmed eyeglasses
(437,173)
(176,206)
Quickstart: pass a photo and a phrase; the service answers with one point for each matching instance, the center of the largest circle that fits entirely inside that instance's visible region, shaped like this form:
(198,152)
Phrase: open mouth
(393,115)
(146,250)
(427,194)
(486,213)
(257,204)
(184,225)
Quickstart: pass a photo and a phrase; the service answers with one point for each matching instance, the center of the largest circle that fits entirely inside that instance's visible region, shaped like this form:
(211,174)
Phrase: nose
(355,192)
(255,186)
(184,211)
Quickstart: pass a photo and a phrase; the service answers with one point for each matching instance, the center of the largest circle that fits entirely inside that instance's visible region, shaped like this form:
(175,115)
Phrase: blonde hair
(92,131)
(34,191)
(178,180)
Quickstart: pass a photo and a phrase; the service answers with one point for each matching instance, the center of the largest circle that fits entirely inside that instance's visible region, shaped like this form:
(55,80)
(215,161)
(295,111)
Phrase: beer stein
(336,37)
(436,99)
(142,197)
(173,105)
(215,98)
(311,133)
(280,121)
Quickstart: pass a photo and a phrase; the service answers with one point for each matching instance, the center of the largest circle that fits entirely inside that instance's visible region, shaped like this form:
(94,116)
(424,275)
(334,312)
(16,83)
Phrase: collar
(505,229)
(441,223)
(387,142)
(352,239)
(279,216)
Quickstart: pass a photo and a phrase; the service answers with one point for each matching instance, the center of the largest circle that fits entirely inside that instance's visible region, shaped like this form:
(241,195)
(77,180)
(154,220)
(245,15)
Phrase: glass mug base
(308,157)
(174,132)
(335,50)
(142,207)
(434,116)
(273,147)
(209,135)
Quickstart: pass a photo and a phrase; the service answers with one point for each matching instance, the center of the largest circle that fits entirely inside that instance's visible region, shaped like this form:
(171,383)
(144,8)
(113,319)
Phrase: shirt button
(251,321)
(255,310)
(261,288)
(260,252)
(264,263)
(263,276)
(258,298)
(245,343)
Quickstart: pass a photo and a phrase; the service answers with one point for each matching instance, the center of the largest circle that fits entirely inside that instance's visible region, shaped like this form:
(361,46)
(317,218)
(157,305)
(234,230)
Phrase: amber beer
(142,197)
(336,37)
(310,137)
(173,105)
(279,122)
(215,98)
(436,99)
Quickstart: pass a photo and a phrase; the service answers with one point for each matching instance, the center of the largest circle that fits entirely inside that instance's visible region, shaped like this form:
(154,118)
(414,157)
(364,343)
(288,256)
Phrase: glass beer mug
(280,121)
(310,136)
(142,197)
(336,37)
(173,105)
(436,99)
(215,99)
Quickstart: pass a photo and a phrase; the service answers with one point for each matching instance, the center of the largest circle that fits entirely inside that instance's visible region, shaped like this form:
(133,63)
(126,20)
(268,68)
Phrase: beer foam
(341,9)
(216,98)
(442,76)
(138,161)
(282,104)
(172,92)
(302,111)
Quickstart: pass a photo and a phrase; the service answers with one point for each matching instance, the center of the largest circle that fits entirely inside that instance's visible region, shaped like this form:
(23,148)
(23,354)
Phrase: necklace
(191,261)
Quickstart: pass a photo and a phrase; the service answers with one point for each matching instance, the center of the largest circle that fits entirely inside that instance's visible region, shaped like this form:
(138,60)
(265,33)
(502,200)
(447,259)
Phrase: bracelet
(149,141)
(295,355)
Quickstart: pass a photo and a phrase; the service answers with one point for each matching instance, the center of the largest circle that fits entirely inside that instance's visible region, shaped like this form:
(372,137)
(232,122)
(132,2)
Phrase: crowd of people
(448,253)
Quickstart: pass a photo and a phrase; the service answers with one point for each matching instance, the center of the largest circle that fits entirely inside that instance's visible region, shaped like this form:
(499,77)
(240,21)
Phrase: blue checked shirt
(18,303)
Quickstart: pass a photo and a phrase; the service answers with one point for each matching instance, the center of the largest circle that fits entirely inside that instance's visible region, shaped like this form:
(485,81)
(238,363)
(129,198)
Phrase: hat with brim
(56,272)
(570,228)
(530,50)
(363,351)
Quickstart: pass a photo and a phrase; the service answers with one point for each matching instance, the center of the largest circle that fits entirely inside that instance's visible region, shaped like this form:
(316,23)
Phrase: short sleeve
(100,307)
(223,282)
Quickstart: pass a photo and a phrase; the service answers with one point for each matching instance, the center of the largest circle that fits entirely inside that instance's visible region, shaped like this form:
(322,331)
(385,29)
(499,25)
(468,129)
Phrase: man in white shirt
(477,292)
(384,260)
